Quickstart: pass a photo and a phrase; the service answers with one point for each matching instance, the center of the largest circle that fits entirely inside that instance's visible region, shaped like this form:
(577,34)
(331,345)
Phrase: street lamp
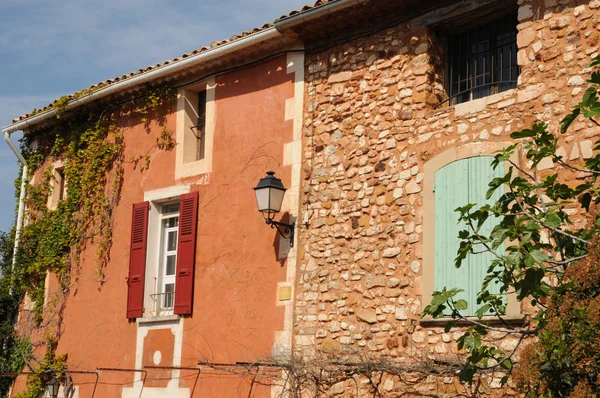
(53,386)
(269,196)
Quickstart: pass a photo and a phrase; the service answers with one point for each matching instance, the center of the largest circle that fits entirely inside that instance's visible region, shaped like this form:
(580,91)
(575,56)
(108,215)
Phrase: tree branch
(559,231)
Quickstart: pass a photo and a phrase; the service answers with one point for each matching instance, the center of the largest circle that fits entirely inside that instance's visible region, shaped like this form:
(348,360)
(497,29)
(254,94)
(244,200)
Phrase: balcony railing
(163,303)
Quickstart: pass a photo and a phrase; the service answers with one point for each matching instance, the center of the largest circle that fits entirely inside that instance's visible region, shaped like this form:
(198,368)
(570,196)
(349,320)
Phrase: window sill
(193,168)
(158,319)
(513,320)
(477,105)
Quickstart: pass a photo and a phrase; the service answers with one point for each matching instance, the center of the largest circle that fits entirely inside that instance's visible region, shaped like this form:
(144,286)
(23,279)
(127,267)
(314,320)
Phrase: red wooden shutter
(137,260)
(186,253)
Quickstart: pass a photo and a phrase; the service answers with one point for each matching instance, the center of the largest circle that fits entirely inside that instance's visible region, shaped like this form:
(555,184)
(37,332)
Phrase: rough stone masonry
(371,122)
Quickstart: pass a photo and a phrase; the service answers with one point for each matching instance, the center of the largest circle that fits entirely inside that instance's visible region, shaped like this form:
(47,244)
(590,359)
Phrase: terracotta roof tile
(214,44)
(305,8)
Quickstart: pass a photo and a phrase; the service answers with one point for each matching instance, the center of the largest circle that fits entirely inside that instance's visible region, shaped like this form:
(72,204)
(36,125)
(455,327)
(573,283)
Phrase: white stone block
(587,149)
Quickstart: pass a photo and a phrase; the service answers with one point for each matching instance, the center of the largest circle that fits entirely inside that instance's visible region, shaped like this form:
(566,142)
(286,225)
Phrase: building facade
(191,277)
(380,118)
(395,141)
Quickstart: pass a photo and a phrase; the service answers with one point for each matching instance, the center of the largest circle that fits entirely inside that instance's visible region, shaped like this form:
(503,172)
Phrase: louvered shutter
(458,184)
(137,260)
(480,175)
(186,253)
(451,191)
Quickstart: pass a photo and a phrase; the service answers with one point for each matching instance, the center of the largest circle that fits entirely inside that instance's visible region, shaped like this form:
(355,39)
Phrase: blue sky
(50,48)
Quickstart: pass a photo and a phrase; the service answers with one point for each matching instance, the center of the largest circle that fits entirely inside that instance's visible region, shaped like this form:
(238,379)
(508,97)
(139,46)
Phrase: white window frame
(157,198)
(163,305)
(59,185)
(187,118)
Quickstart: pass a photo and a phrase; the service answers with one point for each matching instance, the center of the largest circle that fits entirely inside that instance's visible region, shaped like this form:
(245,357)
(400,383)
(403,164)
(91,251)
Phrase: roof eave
(330,7)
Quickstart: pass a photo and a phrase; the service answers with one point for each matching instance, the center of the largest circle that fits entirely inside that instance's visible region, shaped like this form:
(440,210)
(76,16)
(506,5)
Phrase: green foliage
(537,213)
(60,105)
(565,361)
(90,143)
(52,366)
(13,351)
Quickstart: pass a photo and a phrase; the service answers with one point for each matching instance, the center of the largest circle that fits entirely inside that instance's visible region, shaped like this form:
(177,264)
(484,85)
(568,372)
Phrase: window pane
(171,241)
(172,208)
(172,222)
(201,126)
(170,268)
(168,297)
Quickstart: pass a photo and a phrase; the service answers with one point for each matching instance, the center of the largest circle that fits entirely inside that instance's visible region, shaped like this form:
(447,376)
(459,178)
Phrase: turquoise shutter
(457,184)
(451,191)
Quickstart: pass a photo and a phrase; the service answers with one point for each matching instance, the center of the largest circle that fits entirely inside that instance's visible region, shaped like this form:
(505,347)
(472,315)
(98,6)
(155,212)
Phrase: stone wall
(371,123)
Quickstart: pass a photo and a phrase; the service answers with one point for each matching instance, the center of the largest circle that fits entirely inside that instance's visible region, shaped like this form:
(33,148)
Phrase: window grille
(483,60)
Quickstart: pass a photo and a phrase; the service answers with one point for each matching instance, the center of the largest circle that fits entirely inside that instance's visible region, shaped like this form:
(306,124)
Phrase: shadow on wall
(281,245)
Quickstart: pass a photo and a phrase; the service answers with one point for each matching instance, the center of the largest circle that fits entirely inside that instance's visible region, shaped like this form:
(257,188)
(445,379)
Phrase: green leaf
(531,283)
(592,111)
(553,220)
(466,374)
(497,183)
(538,256)
(568,120)
(506,364)
(449,325)
(482,311)
(461,305)
(585,200)
(498,236)
(439,298)
(589,96)
(525,133)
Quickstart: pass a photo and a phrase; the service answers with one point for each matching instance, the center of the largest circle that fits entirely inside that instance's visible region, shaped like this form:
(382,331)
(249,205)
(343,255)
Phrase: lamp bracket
(285,230)
(197,128)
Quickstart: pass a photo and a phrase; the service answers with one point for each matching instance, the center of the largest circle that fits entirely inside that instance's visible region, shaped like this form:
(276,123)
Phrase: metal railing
(163,303)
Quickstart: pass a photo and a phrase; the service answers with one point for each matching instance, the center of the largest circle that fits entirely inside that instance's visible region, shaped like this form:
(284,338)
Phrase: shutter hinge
(433,188)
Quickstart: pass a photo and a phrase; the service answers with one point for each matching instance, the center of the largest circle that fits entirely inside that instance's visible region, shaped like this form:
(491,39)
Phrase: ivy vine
(90,142)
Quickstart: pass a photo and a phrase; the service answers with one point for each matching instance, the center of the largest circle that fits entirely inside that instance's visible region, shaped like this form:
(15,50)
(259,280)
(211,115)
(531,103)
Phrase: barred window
(483,60)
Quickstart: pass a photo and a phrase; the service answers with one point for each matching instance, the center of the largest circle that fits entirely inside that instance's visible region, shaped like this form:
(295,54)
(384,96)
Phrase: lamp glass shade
(53,386)
(269,195)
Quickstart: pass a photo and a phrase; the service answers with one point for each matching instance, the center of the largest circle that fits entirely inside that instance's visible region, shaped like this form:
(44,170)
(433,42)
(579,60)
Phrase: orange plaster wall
(96,331)
(237,270)
(161,340)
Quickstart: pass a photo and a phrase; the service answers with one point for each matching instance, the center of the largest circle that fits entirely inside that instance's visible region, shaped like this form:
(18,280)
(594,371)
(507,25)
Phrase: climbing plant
(52,366)
(90,143)
(13,351)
